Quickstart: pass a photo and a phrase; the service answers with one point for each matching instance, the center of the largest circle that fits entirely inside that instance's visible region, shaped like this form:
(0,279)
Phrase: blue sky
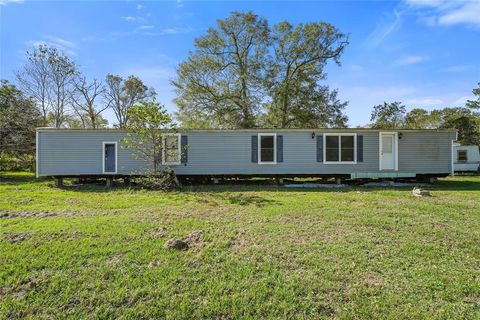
(424,53)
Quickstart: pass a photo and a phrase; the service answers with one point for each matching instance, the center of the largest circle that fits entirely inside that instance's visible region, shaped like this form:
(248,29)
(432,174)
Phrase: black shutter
(184,149)
(279,148)
(255,149)
(319,147)
(359,148)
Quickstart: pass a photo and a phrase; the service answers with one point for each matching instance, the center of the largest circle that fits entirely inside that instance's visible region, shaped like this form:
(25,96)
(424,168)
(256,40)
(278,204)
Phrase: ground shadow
(461,183)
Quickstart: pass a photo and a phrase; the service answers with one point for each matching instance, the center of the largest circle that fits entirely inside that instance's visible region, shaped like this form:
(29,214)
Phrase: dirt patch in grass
(194,237)
(371,279)
(24,214)
(176,244)
(13,237)
(159,232)
(475,299)
(115,259)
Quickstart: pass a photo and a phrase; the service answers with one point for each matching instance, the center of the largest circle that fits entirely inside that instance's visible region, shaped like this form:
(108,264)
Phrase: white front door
(387,151)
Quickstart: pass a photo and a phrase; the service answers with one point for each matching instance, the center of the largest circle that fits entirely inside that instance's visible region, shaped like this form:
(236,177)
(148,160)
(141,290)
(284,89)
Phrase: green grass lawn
(265,252)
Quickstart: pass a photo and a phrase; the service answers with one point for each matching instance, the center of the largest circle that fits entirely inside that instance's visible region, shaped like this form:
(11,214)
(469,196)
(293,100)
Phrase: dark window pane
(347,142)
(331,148)
(331,141)
(267,148)
(331,154)
(347,154)
(266,155)
(462,155)
(267,142)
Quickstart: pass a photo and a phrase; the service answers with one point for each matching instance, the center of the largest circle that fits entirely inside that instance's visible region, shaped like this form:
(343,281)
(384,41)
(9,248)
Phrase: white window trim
(179,148)
(354,135)
(274,135)
(395,141)
(103,157)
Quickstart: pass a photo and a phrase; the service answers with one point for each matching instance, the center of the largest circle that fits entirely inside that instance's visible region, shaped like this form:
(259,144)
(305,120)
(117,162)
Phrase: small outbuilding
(467,158)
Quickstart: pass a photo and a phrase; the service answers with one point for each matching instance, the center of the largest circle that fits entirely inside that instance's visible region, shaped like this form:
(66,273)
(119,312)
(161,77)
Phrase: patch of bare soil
(159,232)
(473,299)
(371,280)
(24,214)
(154,264)
(176,244)
(13,237)
(193,237)
(190,240)
(238,245)
(115,259)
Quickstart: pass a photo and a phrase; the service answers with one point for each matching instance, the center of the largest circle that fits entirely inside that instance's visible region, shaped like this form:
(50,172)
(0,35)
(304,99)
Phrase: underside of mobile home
(345,153)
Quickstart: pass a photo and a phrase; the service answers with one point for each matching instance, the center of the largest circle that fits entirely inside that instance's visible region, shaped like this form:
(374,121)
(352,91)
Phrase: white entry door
(387,151)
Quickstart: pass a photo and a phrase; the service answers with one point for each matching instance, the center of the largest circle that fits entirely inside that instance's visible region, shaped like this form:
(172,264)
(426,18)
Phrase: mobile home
(467,158)
(342,153)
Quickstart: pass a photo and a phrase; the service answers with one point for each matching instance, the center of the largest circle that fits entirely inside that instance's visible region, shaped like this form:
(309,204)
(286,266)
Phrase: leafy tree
(388,115)
(475,104)
(240,69)
(18,119)
(85,102)
(223,77)
(295,72)
(48,77)
(422,119)
(122,94)
(465,121)
(147,125)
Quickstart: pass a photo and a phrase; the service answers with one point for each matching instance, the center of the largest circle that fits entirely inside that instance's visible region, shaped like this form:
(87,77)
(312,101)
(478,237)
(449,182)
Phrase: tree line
(465,119)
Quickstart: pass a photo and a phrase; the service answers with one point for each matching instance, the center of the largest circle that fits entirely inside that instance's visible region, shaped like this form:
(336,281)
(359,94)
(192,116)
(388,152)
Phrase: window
(340,148)
(267,148)
(462,156)
(171,149)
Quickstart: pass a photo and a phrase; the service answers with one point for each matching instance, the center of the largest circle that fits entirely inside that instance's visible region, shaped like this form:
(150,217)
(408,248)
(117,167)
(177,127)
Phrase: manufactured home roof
(257,129)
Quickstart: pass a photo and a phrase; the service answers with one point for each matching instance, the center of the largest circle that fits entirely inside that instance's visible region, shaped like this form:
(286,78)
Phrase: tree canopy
(18,119)
(394,116)
(146,127)
(388,115)
(243,74)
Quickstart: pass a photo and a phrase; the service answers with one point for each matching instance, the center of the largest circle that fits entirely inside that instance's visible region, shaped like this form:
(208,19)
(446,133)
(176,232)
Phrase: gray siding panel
(228,152)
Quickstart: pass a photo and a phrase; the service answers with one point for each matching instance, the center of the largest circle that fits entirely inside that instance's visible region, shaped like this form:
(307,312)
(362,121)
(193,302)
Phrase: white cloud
(385,28)
(179,3)
(5,2)
(61,44)
(462,100)
(447,13)
(140,7)
(356,67)
(408,60)
(456,69)
(174,30)
(467,14)
(129,18)
(387,93)
(61,41)
(423,102)
(146,27)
